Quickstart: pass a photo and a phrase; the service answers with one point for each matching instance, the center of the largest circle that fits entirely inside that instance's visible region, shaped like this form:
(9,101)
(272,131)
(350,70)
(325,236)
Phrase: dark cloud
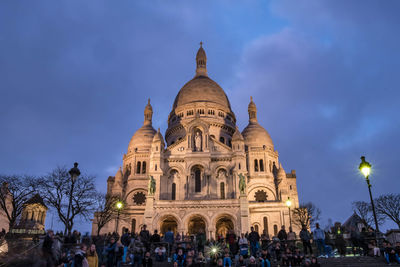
(75,77)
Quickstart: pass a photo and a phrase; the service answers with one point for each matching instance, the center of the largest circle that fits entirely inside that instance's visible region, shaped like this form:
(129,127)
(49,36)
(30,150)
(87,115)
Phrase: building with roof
(205,175)
(33,215)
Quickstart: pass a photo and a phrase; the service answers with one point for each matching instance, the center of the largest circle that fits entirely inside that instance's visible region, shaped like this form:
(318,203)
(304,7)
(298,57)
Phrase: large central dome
(201,89)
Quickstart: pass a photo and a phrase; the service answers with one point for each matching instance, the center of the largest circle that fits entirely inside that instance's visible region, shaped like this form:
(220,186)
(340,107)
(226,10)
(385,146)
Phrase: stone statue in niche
(242,184)
(174,175)
(221,174)
(197,141)
(152,186)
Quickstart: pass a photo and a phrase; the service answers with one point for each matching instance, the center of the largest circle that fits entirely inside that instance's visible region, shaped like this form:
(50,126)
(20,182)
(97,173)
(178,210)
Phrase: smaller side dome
(254,134)
(158,137)
(144,135)
(118,176)
(237,136)
(281,172)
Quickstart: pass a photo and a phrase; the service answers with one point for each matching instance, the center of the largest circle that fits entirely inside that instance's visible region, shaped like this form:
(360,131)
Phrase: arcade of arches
(196,224)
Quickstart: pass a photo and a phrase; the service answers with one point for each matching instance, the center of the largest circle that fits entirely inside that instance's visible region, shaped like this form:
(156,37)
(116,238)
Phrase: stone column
(244,213)
(149,213)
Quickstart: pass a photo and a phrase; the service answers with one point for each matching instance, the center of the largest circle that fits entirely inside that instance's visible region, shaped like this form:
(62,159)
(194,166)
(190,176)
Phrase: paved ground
(330,262)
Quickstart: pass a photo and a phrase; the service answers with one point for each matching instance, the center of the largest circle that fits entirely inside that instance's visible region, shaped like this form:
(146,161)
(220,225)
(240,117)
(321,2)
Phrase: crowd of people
(176,249)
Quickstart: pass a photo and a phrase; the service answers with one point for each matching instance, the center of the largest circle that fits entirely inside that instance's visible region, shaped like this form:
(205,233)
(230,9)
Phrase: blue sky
(75,77)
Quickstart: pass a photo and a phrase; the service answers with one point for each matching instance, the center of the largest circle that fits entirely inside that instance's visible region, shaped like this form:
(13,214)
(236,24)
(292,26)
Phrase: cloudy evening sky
(75,77)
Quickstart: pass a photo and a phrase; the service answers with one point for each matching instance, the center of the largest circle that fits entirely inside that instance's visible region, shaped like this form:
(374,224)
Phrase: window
(144,167)
(155,167)
(260,196)
(261,165)
(256,165)
(222,190)
(173,191)
(229,143)
(222,139)
(265,221)
(275,229)
(221,114)
(138,167)
(239,166)
(200,111)
(139,198)
(189,112)
(290,187)
(197,182)
(211,112)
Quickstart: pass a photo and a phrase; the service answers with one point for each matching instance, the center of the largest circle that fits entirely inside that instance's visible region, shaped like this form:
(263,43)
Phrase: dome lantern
(201,62)
(252,109)
(148,113)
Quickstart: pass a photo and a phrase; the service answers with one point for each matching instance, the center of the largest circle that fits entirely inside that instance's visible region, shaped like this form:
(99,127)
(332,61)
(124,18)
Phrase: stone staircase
(330,262)
(353,262)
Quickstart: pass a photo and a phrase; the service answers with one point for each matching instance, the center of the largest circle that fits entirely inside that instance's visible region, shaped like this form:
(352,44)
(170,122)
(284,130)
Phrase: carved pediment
(217,146)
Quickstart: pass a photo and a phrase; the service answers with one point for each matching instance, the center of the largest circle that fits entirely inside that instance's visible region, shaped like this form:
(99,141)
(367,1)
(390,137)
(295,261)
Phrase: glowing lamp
(288,203)
(119,205)
(365,167)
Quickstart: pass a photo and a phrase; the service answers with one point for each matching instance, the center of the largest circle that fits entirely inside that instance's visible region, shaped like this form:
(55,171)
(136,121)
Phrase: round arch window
(260,196)
(139,198)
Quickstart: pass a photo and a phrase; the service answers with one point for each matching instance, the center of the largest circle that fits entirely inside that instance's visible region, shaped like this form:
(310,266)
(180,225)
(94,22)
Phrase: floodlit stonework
(208,175)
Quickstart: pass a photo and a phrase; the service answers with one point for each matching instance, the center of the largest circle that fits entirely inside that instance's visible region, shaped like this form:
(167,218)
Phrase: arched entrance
(196,225)
(224,224)
(168,222)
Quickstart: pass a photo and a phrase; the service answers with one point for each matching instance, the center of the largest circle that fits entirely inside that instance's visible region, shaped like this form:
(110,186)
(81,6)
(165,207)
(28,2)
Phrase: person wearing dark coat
(282,235)
(305,237)
(111,255)
(254,238)
(47,248)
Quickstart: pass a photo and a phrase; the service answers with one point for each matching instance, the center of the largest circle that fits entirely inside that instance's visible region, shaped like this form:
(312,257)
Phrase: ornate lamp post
(74,173)
(289,204)
(119,205)
(365,169)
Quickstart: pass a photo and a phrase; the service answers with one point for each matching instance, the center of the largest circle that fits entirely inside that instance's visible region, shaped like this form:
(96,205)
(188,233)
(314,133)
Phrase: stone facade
(197,169)
(33,215)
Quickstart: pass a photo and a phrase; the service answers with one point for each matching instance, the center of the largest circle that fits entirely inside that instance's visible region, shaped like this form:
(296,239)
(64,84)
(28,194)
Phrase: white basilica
(205,175)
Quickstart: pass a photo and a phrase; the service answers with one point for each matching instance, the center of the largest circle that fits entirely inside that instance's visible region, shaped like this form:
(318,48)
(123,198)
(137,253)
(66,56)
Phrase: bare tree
(364,211)
(105,209)
(389,207)
(15,190)
(57,187)
(306,215)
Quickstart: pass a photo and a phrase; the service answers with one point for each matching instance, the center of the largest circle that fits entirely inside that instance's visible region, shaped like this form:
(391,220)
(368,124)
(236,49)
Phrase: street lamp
(74,173)
(289,204)
(365,169)
(119,205)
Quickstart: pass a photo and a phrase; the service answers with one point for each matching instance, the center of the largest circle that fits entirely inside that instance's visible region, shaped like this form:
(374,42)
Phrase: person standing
(145,237)
(305,237)
(282,235)
(111,252)
(91,256)
(80,256)
(319,238)
(125,241)
(254,238)
(291,238)
(169,238)
(47,248)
